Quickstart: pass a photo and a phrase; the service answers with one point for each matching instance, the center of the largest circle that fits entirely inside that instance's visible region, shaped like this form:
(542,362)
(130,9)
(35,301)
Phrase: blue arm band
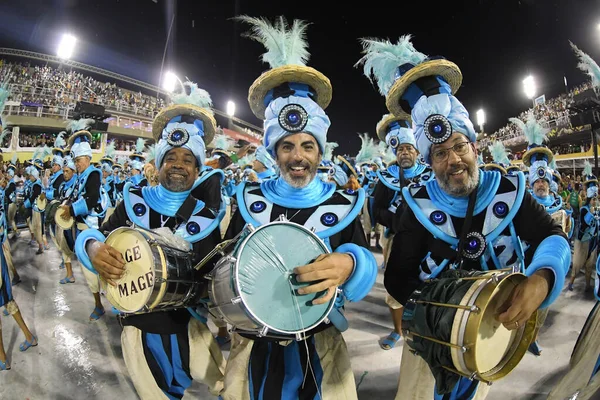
(27,203)
(553,253)
(82,239)
(80,207)
(365,272)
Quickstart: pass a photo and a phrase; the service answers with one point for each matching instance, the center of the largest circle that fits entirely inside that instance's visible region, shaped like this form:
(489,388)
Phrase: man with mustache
(453,218)
(291,99)
(165,350)
(388,204)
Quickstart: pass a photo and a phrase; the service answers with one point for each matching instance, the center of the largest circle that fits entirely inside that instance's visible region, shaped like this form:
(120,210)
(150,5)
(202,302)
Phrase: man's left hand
(525,299)
(328,272)
(66,213)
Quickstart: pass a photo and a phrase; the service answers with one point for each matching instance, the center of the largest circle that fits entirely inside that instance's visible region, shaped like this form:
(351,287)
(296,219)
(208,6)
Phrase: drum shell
(225,299)
(51,211)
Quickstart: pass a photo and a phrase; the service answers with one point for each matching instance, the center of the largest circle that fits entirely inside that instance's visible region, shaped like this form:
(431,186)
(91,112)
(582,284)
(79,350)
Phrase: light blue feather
(382,58)
(41,153)
(533,131)
(246,160)
(60,141)
(498,152)
(80,124)
(151,153)
(368,150)
(329,148)
(552,164)
(387,153)
(285,45)
(4,93)
(222,141)
(587,168)
(140,143)
(13,159)
(198,97)
(588,65)
(110,150)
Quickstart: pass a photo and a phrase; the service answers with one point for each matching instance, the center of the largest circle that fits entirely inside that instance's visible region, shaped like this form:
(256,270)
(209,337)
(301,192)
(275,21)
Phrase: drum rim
(109,288)
(64,223)
(256,320)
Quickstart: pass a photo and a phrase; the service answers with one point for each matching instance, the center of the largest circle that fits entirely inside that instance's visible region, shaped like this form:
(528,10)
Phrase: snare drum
(253,288)
(157,276)
(451,322)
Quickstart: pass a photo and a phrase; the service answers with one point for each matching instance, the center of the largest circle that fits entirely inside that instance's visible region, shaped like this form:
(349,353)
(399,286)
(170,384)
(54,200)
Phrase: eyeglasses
(460,149)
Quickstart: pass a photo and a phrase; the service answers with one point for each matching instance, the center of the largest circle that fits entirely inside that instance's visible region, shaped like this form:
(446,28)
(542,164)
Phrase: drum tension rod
(454,346)
(474,375)
(473,308)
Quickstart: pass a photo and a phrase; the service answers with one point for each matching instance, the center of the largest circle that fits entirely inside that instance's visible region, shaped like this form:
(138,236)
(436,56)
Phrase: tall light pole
(66,46)
(530,88)
(230,108)
(480,119)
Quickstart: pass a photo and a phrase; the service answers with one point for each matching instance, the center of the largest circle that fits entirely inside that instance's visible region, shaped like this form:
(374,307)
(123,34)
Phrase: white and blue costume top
(55,181)
(390,177)
(89,213)
(65,190)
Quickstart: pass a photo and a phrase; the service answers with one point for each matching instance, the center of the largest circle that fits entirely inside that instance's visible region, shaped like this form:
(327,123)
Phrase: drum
(60,221)
(157,275)
(562,219)
(40,203)
(253,288)
(51,211)
(451,322)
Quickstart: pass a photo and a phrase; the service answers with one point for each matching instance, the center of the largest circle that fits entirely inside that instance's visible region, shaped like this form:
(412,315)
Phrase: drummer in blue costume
(137,164)
(87,202)
(36,191)
(291,99)
(108,180)
(10,199)
(585,250)
(462,193)
(57,163)
(582,380)
(65,239)
(165,350)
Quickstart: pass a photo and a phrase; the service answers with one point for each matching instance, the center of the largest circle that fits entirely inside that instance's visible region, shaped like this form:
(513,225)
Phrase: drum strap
(186,210)
(466,228)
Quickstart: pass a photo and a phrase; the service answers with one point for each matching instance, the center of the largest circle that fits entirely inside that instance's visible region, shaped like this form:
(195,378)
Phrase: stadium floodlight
(480,118)
(529,87)
(170,81)
(66,46)
(230,108)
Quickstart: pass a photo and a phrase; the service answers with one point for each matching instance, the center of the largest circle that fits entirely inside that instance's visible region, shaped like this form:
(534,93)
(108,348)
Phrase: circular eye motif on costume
(475,245)
(331,172)
(541,172)
(72,155)
(192,228)
(293,118)
(395,181)
(437,128)
(349,191)
(394,142)
(329,219)
(139,209)
(424,177)
(438,217)
(500,209)
(178,137)
(258,207)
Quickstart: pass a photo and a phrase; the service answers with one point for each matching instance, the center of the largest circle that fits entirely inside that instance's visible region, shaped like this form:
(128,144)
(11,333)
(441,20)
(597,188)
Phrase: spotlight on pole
(230,108)
(529,87)
(480,118)
(169,81)
(66,46)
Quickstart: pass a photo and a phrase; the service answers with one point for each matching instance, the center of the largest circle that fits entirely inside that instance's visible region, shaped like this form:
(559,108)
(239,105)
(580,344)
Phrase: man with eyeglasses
(460,220)
(388,204)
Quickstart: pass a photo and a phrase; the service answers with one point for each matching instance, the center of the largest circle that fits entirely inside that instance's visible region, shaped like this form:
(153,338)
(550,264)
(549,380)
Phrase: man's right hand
(107,261)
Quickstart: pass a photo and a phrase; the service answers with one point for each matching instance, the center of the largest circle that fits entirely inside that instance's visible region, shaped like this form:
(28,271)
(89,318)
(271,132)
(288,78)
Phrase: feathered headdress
(246,160)
(387,153)
(587,169)
(329,147)
(110,150)
(222,141)
(13,159)
(60,141)
(588,65)
(382,58)
(498,152)
(285,45)
(76,125)
(480,159)
(535,134)
(552,164)
(192,94)
(140,143)
(151,153)
(368,150)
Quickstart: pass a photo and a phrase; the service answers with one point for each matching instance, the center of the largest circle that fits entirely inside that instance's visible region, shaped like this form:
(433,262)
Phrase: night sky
(495,43)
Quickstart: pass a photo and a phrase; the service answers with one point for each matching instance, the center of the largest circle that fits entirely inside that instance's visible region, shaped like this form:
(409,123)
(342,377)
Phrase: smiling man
(291,99)
(165,350)
(460,220)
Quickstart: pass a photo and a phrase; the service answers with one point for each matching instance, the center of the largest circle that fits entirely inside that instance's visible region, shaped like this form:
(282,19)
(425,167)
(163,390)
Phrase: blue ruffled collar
(489,181)
(71,181)
(409,173)
(166,202)
(136,179)
(278,191)
(545,201)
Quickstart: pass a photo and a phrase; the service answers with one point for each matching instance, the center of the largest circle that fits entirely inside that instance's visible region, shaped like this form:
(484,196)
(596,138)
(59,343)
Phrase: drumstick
(218,249)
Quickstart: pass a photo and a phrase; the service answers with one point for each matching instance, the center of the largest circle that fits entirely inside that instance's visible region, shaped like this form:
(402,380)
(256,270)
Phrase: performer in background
(165,350)
(65,238)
